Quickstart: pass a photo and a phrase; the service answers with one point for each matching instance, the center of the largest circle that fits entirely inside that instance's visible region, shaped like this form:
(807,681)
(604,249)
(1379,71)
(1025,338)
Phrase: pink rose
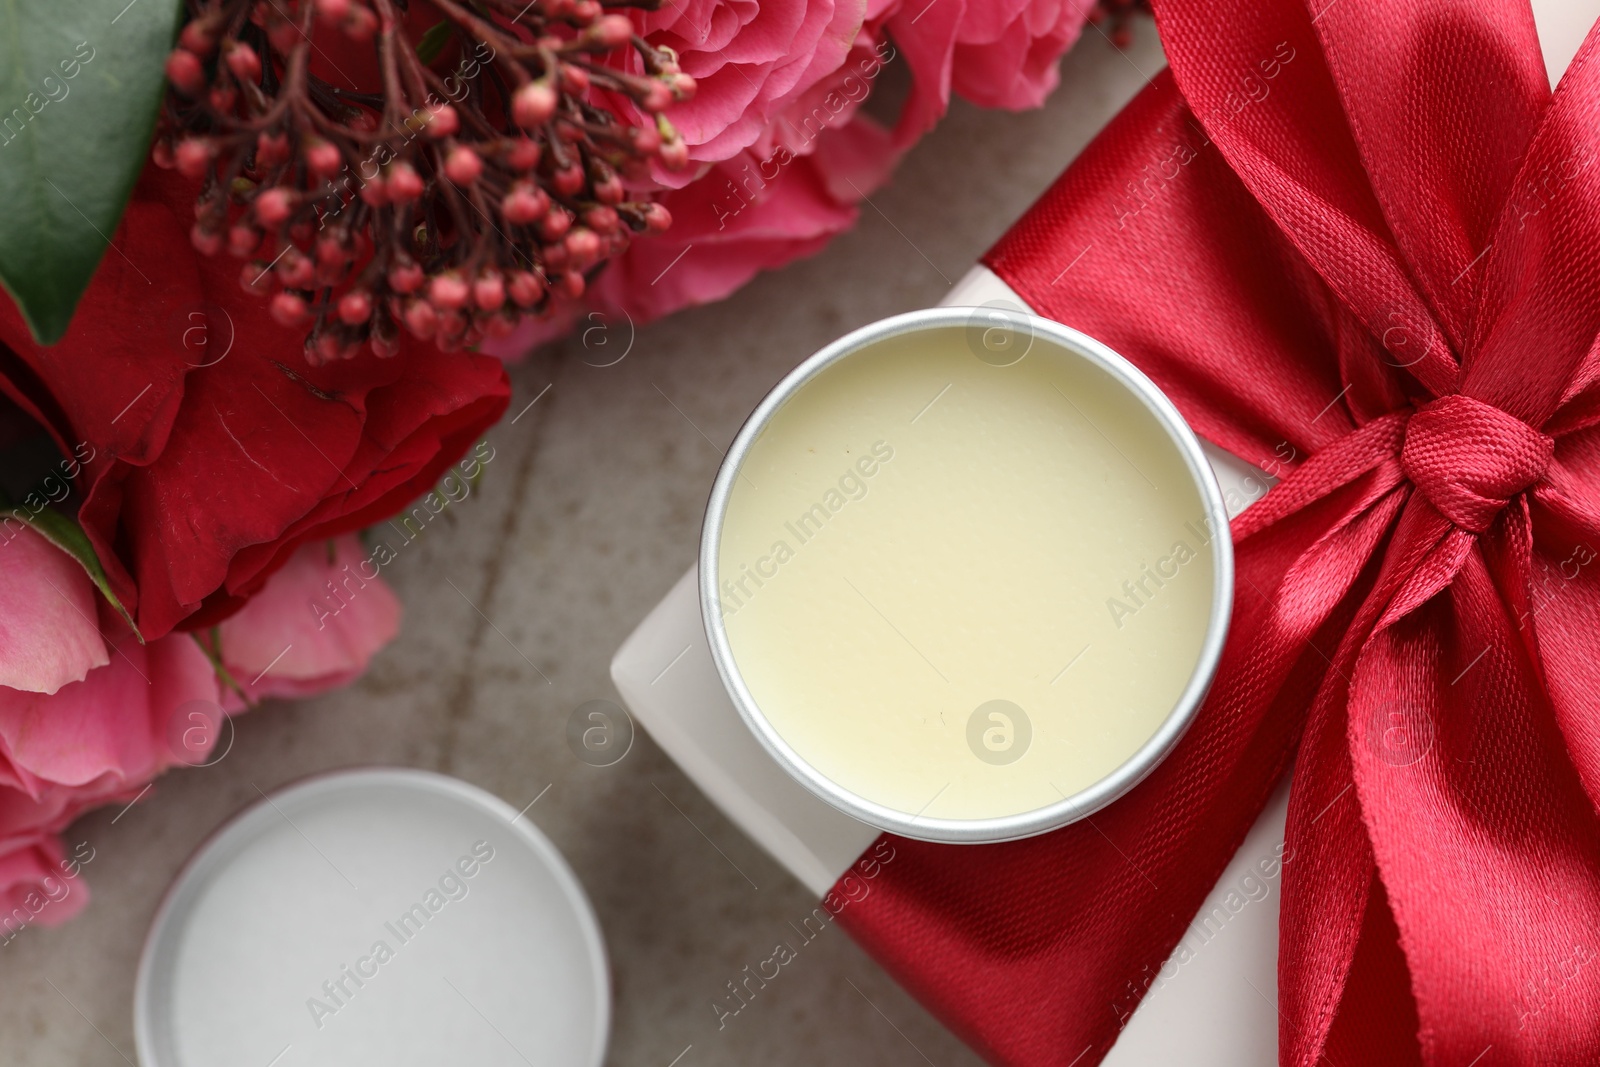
(39,884)
(96,715)
(47,614)
(314,626)
(105,737)
(97,740)
(750,60)
(996,53)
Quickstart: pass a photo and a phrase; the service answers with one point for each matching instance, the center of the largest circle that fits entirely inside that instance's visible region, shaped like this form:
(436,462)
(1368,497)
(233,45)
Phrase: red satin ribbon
(1358,245)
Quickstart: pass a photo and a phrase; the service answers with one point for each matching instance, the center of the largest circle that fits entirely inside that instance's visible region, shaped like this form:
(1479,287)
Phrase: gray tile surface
(515,603)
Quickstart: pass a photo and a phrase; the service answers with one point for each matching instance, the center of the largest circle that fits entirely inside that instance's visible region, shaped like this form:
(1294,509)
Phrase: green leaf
(433,41)
(68,536)
(80,87)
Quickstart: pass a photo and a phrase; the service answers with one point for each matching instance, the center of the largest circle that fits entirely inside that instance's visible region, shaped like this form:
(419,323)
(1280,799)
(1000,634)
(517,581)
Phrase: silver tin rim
(1082,803)
(154,958)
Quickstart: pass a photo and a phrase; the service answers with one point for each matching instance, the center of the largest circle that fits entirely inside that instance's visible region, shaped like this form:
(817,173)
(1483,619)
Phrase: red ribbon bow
(1358,245)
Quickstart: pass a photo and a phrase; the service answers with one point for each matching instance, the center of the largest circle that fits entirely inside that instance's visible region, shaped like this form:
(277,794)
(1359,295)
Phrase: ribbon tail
(1486,844)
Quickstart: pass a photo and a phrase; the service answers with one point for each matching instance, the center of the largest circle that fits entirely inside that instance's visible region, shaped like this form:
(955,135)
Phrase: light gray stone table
(587,515)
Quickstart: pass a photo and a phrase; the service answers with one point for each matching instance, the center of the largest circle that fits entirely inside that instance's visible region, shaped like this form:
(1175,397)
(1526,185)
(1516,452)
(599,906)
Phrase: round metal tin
(1085,802)
(265,948)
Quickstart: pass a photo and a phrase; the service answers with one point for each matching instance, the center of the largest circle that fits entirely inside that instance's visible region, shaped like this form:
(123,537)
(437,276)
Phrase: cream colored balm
(961,590)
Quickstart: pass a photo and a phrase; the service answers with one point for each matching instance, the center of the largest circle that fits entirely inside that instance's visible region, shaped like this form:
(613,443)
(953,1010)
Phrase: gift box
(1354,245)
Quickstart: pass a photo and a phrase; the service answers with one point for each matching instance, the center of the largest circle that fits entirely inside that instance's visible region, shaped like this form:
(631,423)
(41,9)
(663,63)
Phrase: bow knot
(1469,458)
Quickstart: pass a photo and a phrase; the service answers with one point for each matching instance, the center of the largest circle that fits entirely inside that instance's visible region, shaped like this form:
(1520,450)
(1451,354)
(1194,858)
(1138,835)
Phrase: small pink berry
(244,63)
(332,253)
(355,307)
(223,97)
(657,98)
(185,72)
(609,190)
(611,31)
(502,325)
(572,284)
(405,277)
(569,179)
(524,154)
(207,242)
(525,288)
(256,277)
(675,154)
(404,184)
(323,158)
(274,206)
(682,85)
(533,105)
(657,218)
(555,225)
(384,346)
(443,122)
(554,257)
(295,269)
(329,347)
(646,139)
(193,157)
(375,193)
(448,292)
(489,291)
(525,203)
(161,155)
(602,219)
(333,12)
(586,10)
(574,80)
(583,245)
(360,24)
(198,38)
(243,239)
(463,166)
(289,309)
(421,319)
(452,323)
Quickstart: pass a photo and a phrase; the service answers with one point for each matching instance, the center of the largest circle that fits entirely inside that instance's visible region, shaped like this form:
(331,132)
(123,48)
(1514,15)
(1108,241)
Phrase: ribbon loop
(1469,458)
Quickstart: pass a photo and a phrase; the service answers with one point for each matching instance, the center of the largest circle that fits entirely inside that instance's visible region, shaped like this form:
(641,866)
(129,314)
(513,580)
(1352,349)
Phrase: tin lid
(376,915)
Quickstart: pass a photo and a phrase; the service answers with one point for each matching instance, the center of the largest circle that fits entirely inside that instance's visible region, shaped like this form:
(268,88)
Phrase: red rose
(209,449)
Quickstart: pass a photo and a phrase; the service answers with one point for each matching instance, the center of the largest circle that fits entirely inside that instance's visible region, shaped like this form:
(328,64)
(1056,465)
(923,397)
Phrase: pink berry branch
(445,204)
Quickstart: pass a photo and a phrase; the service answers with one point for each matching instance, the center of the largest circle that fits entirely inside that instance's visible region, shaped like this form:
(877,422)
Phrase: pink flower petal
(47,614)
(111,729)
(314,626)
(39,884)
